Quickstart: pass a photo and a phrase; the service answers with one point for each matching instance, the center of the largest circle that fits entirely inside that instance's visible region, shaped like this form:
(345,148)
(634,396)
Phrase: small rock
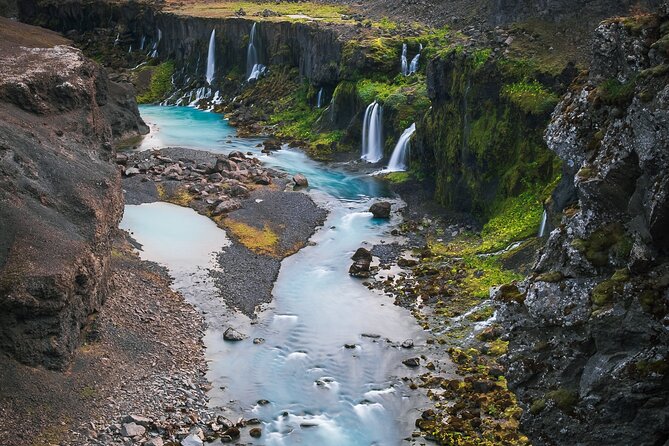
(233,432)
(300,180)
(192,440)
(154,442)
(137,419)
(256,432)
(407,343)
(259,341)
(130,171)
(349,346)
(132,430)
(233,335)
(411,362)
(381,209)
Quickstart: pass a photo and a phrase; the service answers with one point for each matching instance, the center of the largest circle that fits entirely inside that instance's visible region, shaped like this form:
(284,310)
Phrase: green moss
(498,347)
(551,277)
(610,240)
(160,84)
(603,293)
(398,177)
(537,406)
(482,315)
(565,399)
(614,92)
(480,57)
(510,293)
(530,97)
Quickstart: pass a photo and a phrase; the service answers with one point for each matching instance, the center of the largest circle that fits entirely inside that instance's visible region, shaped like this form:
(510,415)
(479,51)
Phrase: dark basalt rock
(589,346)
(60,196)
(380,209)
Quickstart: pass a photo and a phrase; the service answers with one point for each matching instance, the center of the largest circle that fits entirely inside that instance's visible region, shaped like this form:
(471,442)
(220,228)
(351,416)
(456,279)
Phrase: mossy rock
(510,294)
(564,399)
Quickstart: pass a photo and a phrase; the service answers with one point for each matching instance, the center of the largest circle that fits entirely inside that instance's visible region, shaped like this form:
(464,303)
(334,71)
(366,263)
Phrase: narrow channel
(319,388)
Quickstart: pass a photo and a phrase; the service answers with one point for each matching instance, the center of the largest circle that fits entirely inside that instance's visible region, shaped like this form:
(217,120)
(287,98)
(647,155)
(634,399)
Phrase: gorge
(348,224)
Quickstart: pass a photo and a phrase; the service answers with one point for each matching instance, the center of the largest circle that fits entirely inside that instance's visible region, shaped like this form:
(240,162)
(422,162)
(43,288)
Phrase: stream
(320,390)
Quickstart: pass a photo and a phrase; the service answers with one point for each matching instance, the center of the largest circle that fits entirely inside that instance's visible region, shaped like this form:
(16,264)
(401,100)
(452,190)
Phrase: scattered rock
(192,440)
(233,335)
(132,430)
(154,442)
(300,180)
(142,421)
(381,209)
(411,362)
(256,432)
(130,171)
(407,343)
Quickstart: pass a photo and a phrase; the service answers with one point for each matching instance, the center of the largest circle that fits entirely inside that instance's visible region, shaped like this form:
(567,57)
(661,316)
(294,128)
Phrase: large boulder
(381,209)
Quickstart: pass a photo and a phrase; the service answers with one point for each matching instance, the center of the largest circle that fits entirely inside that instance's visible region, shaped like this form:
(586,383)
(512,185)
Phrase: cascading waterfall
(141,43)
(118,39)
(254,69)
(372,134)
(211,57)
(154,52)
(319,98)
(404,60)
(413,67)
(398,160)
(542,227)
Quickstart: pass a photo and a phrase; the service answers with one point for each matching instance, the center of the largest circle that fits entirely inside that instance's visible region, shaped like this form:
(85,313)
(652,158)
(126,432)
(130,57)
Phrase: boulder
(256,432)
(192,440)
(412,362)
(131,171)
(233,335)
(300,180)
(381,209)
(225,206)
(272,144)
(132,430)
(362,260)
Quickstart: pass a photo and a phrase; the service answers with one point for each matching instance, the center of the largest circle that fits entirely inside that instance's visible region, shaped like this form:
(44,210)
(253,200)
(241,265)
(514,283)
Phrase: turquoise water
(320,392)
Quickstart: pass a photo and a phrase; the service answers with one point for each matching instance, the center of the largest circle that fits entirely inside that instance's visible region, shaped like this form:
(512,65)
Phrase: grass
(531,97)
(614,92)
(222,9)
(261,241)
(160,83)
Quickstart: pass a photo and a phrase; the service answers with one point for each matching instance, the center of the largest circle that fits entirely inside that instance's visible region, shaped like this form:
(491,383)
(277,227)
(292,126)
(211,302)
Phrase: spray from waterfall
(211,57)
(254,69)
(372,134)
(404,60)
(542,227)
(319,98)
(398,160)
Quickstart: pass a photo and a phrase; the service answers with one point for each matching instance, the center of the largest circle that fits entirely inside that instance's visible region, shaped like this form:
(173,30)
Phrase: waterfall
(372,134)
(211,57)
(405,63)
(398,160)
(141,43)
(130,49)
(254,69)
(319,98)
(154,53)
(118,39)
(542,227)
(413,67)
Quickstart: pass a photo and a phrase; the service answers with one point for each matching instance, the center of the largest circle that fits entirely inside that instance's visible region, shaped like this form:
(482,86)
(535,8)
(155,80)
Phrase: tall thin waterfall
(118,39)
(211,57)
(141,43)
(319,98)
(154,53)
(404,60)
(254,69)
(372,134)
(542,227)
(398,160)
(413,67)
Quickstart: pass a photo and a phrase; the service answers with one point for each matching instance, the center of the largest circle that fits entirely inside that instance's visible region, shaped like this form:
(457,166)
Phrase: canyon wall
(60,194)
(589,345)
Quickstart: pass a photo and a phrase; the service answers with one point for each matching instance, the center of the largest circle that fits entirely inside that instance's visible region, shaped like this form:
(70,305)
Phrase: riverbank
(143,355)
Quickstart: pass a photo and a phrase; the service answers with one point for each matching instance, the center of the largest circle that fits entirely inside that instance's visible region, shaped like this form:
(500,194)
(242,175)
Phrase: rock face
(589,345)
(60,196)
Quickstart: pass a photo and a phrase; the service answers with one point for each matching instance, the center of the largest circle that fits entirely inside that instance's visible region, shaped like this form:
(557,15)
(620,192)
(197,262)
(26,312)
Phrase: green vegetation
(564,399)
(614,92)
(397,177)
(530,97)
(160,83)
(261,241)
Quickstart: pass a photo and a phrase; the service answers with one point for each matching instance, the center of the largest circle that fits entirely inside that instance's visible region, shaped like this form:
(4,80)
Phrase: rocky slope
(589,345)
(60,194)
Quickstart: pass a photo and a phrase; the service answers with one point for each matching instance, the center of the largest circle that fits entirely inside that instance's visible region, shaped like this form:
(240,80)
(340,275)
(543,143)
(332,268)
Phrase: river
(320,392)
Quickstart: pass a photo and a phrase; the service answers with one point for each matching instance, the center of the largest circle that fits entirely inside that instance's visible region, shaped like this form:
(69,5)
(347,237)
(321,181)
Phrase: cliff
(589,346)
(60,194)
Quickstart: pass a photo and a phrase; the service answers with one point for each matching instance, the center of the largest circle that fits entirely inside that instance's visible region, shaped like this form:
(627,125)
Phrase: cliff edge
(60,196)
(589,338)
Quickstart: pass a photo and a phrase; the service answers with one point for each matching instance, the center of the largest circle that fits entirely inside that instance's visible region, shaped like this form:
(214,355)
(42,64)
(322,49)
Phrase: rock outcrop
(589,345)
(60,195)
